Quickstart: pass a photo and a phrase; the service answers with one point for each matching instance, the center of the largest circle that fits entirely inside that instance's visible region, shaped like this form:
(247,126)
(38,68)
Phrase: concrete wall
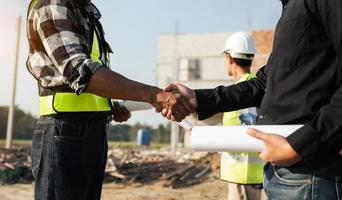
(205,47)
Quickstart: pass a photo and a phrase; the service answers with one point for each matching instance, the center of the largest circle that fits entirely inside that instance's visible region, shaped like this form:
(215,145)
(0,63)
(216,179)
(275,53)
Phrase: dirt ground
(209,190)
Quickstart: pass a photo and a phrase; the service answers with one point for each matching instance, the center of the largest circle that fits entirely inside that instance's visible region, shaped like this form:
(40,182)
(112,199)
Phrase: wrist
(193,100)
(152,95)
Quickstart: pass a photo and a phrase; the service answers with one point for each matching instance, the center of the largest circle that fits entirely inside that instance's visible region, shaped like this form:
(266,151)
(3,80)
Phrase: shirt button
(261,117)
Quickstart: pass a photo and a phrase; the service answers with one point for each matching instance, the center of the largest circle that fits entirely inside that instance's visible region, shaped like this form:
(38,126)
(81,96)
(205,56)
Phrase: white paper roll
(134,106)
(186,124)
(234,138)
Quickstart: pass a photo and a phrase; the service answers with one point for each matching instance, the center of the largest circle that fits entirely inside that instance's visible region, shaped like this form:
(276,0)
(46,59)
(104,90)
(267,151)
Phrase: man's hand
(120,113)
(107,83)
(175,102)
(277,150)
(186,92)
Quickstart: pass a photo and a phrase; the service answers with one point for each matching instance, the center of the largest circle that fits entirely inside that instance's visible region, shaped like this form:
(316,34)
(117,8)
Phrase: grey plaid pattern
(60,44)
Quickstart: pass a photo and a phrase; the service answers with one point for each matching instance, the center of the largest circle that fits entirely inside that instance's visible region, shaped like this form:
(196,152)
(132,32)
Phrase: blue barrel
(143,137)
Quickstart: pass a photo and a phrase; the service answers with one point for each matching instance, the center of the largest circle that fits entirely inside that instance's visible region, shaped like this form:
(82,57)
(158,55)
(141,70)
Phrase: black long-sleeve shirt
(300,84)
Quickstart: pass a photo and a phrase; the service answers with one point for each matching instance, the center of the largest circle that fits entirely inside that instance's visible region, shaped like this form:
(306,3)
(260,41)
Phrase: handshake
(175,102)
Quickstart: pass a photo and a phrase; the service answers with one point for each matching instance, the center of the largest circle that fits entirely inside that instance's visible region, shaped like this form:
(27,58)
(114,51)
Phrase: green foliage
(23,123)
(118,132)
(162,133)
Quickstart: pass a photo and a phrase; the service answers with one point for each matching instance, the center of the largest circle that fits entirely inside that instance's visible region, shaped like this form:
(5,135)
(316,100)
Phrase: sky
(132,28)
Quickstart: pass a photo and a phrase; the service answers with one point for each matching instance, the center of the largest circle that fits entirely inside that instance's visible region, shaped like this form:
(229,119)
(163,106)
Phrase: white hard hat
(239,44)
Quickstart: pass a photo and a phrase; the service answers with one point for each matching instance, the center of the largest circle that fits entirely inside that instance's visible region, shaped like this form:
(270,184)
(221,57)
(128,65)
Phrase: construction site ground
(211,189)
(131,174)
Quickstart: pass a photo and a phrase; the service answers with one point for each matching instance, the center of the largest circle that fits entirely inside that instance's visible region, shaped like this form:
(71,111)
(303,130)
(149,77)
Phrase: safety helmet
(239,44)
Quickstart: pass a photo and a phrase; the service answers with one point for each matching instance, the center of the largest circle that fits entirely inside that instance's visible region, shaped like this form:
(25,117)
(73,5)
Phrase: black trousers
(69,155)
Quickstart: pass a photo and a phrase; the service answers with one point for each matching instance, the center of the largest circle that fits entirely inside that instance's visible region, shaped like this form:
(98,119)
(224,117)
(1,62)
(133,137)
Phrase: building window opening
(189,69)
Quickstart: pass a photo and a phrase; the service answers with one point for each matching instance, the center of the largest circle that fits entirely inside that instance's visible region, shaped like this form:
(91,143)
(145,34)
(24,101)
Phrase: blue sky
(132,28)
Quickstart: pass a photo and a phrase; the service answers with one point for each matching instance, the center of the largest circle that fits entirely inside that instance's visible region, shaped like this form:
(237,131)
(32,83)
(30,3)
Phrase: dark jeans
(69,157)
(301,183)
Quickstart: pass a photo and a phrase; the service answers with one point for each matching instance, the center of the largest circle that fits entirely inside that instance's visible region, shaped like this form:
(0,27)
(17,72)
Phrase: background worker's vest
(66,101)
(238,167)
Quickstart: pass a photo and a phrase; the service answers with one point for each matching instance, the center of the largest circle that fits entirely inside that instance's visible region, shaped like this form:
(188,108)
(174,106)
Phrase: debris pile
(128,167)
(15,166)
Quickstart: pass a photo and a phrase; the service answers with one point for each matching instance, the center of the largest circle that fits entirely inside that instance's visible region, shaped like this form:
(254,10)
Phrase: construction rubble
(15,166)
(127,167)
(143,167)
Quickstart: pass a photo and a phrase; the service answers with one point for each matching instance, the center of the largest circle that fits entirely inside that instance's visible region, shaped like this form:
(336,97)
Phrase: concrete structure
(197,62)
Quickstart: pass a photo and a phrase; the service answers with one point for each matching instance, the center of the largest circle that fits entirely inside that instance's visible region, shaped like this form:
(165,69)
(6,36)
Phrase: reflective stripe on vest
(241,168)
(68,102)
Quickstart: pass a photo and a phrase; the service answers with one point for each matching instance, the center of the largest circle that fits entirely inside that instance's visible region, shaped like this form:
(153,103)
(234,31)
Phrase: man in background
(242,171)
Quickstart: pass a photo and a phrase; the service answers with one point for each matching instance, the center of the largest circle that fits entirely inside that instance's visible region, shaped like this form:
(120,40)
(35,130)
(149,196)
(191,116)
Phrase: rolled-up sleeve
(65,44)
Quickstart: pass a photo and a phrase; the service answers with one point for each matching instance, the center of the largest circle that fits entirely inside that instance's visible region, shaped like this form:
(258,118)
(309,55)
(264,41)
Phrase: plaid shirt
(60,41)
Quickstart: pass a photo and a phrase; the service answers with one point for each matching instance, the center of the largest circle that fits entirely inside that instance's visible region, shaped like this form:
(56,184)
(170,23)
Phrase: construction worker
(69,57)
(243,171)
(300,84)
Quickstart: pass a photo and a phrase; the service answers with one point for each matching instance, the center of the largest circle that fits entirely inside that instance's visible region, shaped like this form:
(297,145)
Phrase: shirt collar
(243,77)
(91,8)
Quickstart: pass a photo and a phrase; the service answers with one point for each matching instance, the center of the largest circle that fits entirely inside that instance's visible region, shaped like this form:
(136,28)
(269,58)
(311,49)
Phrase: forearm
(223,99)
(107,83)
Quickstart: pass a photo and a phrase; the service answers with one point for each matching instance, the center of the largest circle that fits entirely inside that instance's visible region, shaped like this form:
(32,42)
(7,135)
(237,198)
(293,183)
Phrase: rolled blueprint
(234,138)
(186,124)
(134,106)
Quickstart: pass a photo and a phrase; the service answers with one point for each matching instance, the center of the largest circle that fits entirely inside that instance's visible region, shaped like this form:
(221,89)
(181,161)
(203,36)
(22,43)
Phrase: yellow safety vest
(239,167)
(69,102)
